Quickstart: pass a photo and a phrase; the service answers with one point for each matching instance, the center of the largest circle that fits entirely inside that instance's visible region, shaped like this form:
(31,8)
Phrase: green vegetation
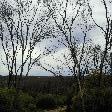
(13,101)
(96,99)
(46,102)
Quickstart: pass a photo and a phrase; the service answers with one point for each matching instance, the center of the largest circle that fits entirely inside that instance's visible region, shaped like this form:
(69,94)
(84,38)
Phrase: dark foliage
(13,101)
(43,84)
(94,100)
(46,102)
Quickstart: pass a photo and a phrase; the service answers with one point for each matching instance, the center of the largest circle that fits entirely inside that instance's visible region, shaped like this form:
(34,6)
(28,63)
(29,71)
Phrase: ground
(60,109)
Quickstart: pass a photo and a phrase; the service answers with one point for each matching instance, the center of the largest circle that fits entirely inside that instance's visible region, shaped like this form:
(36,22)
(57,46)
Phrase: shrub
(25,103)
(6,99)
(60,100)
(94,100)
(46,102)
(11,101)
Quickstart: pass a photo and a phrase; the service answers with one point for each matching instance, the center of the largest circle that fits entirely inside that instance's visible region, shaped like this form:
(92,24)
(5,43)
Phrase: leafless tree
(26,25)
(106,31)
(66,16)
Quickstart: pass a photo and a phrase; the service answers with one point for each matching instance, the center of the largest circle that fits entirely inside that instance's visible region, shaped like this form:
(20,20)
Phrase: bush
(11,101)
(25,103)
(60,100)
(46,102)
(94,100)
(6,99)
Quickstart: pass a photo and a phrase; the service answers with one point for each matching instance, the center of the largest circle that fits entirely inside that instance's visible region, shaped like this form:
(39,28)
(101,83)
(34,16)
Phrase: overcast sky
(95,34)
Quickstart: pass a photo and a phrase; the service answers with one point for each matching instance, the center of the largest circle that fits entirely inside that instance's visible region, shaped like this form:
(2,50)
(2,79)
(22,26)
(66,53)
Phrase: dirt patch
(60,109)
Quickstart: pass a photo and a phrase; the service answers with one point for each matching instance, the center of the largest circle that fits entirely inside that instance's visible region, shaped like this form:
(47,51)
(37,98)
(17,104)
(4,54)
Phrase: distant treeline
(43,84)
(58,84)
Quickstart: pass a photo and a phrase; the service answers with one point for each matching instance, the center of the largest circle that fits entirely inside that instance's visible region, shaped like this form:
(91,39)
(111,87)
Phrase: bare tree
(66,15)
(26,25)
(106,31)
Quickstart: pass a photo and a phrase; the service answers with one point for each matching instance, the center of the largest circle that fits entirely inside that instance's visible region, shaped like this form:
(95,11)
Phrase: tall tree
(69,16)
(26,25)
(106,31)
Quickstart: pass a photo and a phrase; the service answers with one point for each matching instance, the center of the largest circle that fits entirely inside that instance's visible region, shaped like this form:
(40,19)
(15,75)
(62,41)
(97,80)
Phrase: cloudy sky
(95,34)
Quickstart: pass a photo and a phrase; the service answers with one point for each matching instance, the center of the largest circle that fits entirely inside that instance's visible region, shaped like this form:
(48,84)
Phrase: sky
(48,61)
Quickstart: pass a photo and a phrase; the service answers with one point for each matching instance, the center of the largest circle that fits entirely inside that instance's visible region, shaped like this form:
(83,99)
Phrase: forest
(55,56)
